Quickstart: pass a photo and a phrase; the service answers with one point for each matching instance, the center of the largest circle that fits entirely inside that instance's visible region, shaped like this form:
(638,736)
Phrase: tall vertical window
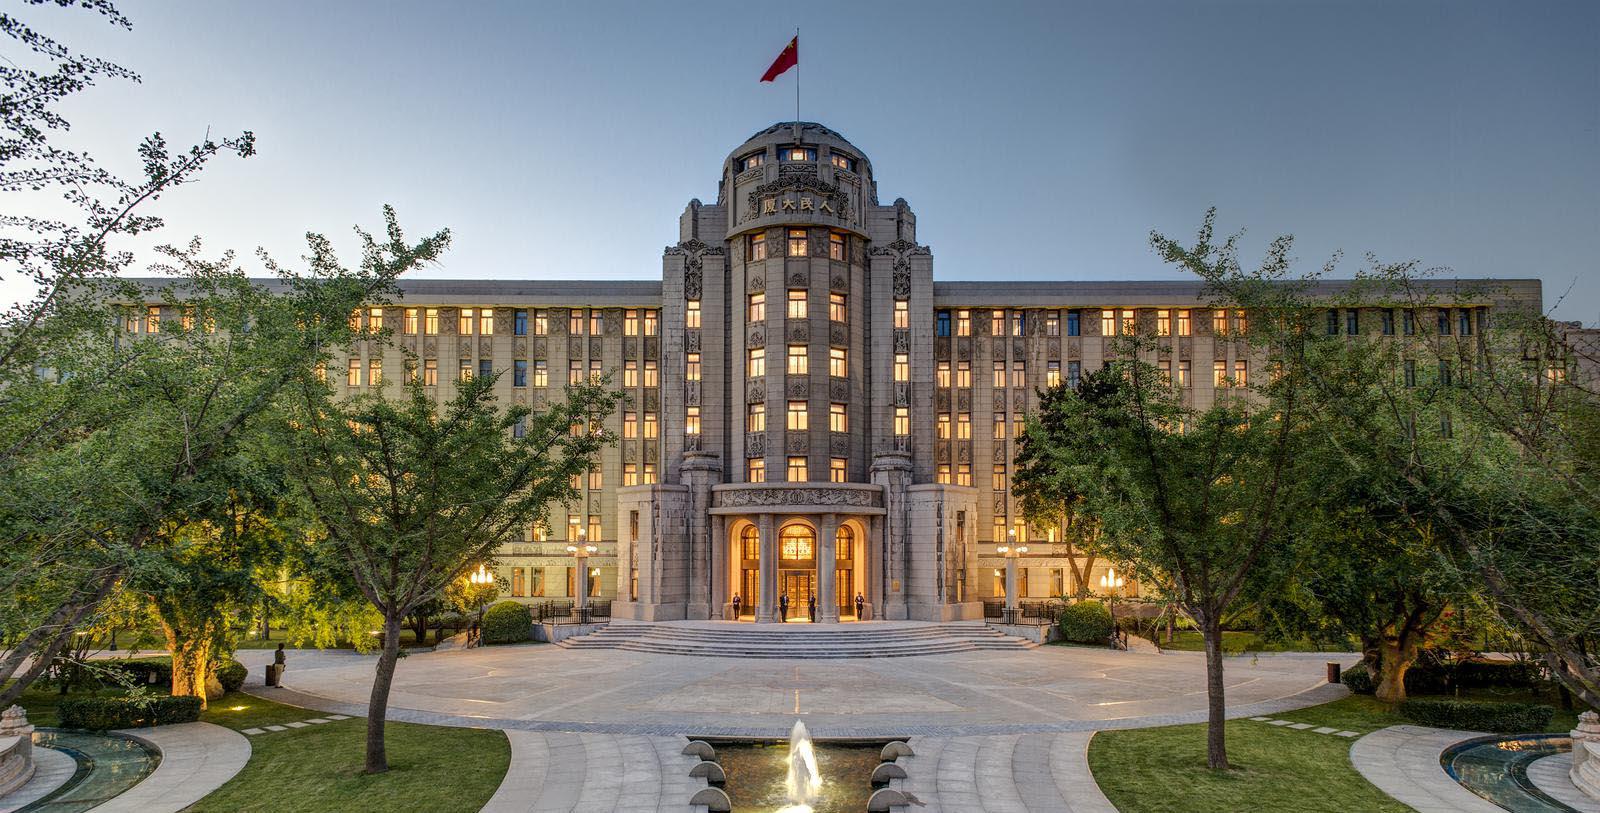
(758,246)
(836,246)
(756,470)
(486,321)
(755,364)
(1052,374)
(902,313)
(1241,321)
(1219,322)
(964,374)
(1108,322)
(964,426)
(430,322)
(997,481)
(941,375)
(838,362)
(691,367)
(797,469)
(1125,322)
(999,426)
(941,324)
(1183,323)
(836,469)
(963,474)
(797,416)
(464,320)
(797,304)
(410,366)
(1183,373)
(519,373)
(1017,323)
(596,371)
(485,368)
(652,426)
(942,426)
(575,373)
(691,314)
(798,244)
(902,421)
(353,374)
(837,311)
(963,323)
(755,418)
(691,420)
(430,373)
(999,375)
(575,321)
(597,479)
(1411,372)
(902,367)
(630,474)
(464,370)
(652,322)
(1408,322)
(1165,368)
(630,322)
(649,475)
(1019,376)
(1388,322)
(1074,322)
(1219,373)
(838,418)
(757,309)
(1444,321)
(152,318)
(541,373)
(630,373)
(630,424)
(1241,373)
(595,322)
(798,360)
(997,323)
(943,475)
(541,322)
(519,323)
(410,324)
(1352,322)
(1464,325)
(1333,321)
(1163,322)
(652,376)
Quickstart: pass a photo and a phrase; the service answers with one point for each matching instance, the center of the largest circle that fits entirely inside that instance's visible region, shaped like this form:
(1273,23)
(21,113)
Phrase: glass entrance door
(799,587)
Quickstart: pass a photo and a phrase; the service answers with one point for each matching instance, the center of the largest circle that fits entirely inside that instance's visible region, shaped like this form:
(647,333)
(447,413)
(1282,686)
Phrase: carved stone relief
(597,346)
(798,386)
(838,334)
(691,341)
(964,452)
(755,390)
(941,400)
(902,341)
(902,393)
(574,347)
(757,337)
(797,443)
(839,444)
(964,400)
(902,282)
(755,444)
(756,497)
(519,348)
(839,389)
(798,332)
(755,284)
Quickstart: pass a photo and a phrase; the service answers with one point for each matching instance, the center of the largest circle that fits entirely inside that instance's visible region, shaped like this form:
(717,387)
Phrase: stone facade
(802,392)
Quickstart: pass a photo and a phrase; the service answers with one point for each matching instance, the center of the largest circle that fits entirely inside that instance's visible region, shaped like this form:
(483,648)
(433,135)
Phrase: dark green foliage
(1441,678)
(104,713)
(1501,718)
(140,671)
(1358,679)
(507,622)
(231,674)
(1087,622)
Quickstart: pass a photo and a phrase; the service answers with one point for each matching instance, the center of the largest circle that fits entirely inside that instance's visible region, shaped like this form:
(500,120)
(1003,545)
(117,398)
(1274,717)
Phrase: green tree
(412,494)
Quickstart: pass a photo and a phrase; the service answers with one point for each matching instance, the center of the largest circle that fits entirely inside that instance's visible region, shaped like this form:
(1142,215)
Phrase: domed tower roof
(805,127)
(821,167)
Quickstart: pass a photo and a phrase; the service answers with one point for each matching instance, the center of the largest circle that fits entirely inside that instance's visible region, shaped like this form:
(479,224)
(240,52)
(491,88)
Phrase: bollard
(1333,672)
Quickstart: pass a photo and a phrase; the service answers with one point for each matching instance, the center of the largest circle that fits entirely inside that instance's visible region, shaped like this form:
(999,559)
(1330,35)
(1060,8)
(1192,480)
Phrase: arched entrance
(747,563)
(797,568)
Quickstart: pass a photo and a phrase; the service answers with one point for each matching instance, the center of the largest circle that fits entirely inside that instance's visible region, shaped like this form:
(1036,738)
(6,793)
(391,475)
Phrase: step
(798,641)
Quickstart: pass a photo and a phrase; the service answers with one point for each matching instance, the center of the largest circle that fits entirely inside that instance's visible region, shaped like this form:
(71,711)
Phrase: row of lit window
(797,244)
(797,417)
(577,373)
(534,587)
(756,307)
(1351,321)
(1112,322)
(798,358)
(963,425)
(798,471)
(152,321)
(792,154)
(481,321)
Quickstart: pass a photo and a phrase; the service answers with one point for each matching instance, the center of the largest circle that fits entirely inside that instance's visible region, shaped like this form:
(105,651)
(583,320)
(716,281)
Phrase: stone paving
(196,759)
(1007,773)
(251,732)
(1403,761)
(1552,775)
(595,773)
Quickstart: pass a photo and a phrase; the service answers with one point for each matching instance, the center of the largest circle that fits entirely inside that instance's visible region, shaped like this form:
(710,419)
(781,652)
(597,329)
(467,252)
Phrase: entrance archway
(797,568)
(747,563)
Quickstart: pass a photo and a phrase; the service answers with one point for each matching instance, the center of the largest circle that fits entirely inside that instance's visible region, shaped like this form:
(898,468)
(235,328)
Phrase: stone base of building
(964,611)
(642,611)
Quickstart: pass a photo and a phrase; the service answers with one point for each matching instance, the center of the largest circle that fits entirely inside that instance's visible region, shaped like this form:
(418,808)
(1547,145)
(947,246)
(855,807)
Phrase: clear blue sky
(1034,140)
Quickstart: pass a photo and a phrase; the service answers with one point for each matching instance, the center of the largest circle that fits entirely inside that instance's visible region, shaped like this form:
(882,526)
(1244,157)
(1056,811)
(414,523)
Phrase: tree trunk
(1397,655)
(1216,719)
(378,704)
(191,662)
(52,635)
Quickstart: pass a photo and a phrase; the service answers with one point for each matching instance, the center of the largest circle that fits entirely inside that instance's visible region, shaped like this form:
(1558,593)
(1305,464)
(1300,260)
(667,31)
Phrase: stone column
(892,470)
(827,570)
(719,565)
(1011,582)
(872,548)
(766,607)
(581,600)
(700,471)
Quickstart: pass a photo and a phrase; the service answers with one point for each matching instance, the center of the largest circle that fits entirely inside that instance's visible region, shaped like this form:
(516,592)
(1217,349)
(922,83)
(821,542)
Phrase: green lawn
(1235,642)
(1162,770)
(318,768)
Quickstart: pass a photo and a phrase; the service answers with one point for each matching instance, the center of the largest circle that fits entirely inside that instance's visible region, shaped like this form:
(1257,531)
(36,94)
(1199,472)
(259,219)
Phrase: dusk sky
(1034,141)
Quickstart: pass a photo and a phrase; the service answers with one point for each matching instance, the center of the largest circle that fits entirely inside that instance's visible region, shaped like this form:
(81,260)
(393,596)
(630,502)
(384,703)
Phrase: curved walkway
(594,772)
(1403,761)
(1552,775)
(51,770)
(1015,773)
(196,759)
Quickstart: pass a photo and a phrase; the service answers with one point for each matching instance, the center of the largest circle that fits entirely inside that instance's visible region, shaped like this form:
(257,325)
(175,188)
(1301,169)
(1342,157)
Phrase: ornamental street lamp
(480,578)
(580,552)
(1112,583)
(1011,550)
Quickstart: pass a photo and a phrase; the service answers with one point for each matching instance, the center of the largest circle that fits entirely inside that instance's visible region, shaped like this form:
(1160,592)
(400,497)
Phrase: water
(759,775)
(1496,768)
(108,764)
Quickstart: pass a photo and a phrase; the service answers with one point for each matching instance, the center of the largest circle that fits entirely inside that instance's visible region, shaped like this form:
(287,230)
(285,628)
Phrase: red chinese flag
(786,60)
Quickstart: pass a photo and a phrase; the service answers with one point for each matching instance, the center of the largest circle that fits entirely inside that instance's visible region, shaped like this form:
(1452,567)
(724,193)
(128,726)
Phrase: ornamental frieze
(964,452)
(941,400)
(756,497)
(757,337)
(755,284)
(798,386)
(793,193)
(755,390)
(519,348)
(902,283)
(840,283)
(691,393)
(597,347)
(574,347)
(1000,453)
(786,170)
(839,389)
(798,279)
(798,332)
(540,348)
(755,444)
(752,174)
(652,347)
(692,283)
(1000,504)
(964,400)
(691,442)
(902,393)
(838,334)
(902,341)
(839,444)
(652,399)
(797,443)
(964,351)
(485,346)
(691,341)
(1000,399)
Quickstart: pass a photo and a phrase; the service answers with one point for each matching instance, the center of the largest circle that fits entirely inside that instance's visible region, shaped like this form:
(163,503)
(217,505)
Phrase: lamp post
(580,552)
(1111,582)
(480,578)
(1011,550)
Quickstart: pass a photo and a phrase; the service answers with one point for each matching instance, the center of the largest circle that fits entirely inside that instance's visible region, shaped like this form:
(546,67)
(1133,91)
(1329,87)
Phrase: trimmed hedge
(1500,718)
(143,671)
(231,675)
(507,622)
(103,713)
(1358,679)
(1087,622)
(1434,678)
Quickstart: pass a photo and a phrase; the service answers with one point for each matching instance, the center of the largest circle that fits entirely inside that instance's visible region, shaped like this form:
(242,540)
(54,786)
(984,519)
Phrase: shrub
(1358,679)
(1087,622)
(507,622)
(103,713)
(231,675)
(141,671)
(1429,676)
(1501,718)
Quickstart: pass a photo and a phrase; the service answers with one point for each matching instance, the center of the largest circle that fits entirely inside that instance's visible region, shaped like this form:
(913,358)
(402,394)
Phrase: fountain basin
(1496,768)
(107,765)
(756,770)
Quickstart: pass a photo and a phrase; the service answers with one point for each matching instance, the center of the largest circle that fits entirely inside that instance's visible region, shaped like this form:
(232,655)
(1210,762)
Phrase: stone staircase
(807,641)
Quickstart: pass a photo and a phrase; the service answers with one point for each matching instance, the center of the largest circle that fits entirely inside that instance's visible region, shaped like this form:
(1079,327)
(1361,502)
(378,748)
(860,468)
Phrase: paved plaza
(1050,689)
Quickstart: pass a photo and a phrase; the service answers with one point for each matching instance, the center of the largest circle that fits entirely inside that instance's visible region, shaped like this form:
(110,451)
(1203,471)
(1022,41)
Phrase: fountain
(802,784)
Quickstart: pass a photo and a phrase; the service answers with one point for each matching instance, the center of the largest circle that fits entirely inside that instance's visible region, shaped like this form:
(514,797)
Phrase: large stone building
(810,413)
